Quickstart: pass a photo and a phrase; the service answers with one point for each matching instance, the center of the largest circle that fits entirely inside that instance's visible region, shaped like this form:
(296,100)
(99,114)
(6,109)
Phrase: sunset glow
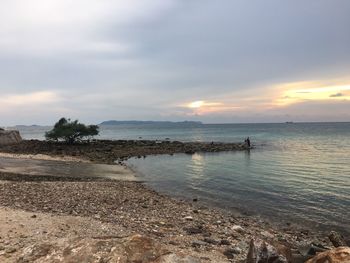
(317,93)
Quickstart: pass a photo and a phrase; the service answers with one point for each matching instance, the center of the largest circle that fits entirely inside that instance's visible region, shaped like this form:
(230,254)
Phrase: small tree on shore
(71,131)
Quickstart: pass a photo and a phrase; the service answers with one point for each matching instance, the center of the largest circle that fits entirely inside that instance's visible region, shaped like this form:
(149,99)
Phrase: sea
(296,172)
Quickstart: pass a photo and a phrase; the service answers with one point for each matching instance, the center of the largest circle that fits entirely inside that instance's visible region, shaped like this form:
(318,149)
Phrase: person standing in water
(247,141)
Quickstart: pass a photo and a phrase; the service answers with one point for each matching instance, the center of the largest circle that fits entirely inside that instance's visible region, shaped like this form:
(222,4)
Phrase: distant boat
(289,122)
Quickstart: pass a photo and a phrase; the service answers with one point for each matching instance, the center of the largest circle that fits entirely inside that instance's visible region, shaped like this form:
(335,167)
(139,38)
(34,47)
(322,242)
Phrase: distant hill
(114,122)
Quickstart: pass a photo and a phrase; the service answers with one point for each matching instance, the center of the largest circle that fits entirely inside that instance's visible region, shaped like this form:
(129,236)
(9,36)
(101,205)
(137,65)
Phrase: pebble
(198,243)
(10,250)
(237,228)
(267,234)
(188,218)
(193,230)
(225,242)
(211,240)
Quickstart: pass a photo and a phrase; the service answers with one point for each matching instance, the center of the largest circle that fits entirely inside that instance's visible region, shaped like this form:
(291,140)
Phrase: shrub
(71,131)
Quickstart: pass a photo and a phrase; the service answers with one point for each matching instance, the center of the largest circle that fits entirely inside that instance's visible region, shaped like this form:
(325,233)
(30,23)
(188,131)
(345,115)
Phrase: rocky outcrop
(337,255)
(9,137)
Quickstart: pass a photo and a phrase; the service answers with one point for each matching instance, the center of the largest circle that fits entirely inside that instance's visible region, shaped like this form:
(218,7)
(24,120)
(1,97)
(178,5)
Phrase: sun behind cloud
(196,104)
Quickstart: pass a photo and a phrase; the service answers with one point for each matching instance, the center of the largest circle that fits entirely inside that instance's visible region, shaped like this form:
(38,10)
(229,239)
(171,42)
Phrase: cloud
(336,95)
(142,59)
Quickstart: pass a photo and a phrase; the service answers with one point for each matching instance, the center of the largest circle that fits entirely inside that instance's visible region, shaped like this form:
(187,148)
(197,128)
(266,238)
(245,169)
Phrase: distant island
(114,122)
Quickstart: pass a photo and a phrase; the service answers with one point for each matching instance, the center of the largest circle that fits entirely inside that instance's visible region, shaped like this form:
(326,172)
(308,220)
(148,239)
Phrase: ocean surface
(297,172)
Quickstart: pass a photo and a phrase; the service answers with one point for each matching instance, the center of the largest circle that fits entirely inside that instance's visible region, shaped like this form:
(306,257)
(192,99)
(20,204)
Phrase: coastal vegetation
(71,131)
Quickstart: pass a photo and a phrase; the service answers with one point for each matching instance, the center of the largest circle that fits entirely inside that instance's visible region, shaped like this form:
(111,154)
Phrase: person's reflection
(247,157)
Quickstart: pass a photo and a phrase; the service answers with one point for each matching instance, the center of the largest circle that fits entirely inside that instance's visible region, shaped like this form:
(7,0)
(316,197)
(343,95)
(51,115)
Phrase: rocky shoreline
(189,231)
(110,151)
(186,227)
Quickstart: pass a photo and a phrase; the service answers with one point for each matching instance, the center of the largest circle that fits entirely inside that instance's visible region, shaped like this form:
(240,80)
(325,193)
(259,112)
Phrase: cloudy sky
(215,61)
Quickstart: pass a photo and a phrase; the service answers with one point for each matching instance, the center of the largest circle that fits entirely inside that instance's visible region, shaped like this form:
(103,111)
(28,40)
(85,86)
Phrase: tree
(71,131)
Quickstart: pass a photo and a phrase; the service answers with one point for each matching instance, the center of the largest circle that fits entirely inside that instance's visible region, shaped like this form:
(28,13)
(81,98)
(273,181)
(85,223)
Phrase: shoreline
(185,227)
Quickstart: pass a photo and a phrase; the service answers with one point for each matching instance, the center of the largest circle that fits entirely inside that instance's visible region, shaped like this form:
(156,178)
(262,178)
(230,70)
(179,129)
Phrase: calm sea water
(298,172)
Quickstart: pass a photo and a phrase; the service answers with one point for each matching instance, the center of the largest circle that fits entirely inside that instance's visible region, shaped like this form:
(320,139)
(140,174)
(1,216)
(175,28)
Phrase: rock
(198,243)
(267,234)
(311,250)
(225,242)
(194,230)
(36,251)
(262,252)
(9,137)
(337,255)
(136,248)
(10,250)
(173,242)
(231,252)
(237,228)
(188,218)
(175,258)
(211,241)
(336,239)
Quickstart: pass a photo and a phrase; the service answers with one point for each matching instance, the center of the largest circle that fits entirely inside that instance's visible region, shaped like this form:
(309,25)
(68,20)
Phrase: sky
(213,61)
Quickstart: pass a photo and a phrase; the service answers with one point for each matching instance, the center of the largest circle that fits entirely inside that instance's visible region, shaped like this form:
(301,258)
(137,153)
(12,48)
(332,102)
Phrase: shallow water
(297,173)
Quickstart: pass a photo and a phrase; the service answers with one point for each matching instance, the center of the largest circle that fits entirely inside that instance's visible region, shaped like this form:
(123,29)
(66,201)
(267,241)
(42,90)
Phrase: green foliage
(71,131)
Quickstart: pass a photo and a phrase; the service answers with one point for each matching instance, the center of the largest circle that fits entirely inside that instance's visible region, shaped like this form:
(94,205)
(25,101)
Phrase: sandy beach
(61,211)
